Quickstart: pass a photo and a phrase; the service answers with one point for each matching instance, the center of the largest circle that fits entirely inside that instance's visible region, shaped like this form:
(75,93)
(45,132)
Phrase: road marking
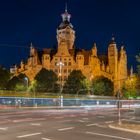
(81,121)
(63,129)
(110,136)
(3,128)
(28,135)
(133,118)
(92,124)
(45,139)
(101,116)
(107,122)
(29,120)
(22,120)
(65,121)
(85,118)
(72,115)
(102,126)
(35,124)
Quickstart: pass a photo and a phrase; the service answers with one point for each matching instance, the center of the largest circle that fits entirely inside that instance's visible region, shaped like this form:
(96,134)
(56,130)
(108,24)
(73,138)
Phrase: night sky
(25,21)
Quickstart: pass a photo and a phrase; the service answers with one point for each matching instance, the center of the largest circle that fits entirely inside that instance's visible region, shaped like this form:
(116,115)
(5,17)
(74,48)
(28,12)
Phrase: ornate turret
(65,20)
(103,66)
(32,50)
(113,61)
(94,50)
(112,40)
(22,65)
(65,32)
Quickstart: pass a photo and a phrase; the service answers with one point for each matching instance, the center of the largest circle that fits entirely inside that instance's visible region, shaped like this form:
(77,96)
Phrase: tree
(130,88)
(46,81)
(138,74)
(4,77)
(138,66)
(75,83)
(17,83)
(102,86)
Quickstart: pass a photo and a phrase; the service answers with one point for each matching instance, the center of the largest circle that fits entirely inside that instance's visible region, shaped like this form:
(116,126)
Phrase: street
(63,124)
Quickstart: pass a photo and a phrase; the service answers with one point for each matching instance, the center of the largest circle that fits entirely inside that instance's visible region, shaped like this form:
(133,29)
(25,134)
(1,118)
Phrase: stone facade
(67,58)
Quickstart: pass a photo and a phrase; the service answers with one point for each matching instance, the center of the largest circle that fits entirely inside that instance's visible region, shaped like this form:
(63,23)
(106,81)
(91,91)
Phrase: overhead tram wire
(18,46)
(40,48)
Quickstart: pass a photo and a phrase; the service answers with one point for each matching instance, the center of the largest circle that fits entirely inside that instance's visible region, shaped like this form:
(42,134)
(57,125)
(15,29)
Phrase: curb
(124,129)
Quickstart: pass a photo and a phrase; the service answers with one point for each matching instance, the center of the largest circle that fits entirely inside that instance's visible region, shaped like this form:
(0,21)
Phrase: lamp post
(27,81)
(34,92)
(60,64)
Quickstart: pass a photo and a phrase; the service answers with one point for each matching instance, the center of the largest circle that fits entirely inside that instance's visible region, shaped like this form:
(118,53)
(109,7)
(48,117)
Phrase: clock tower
(65,32)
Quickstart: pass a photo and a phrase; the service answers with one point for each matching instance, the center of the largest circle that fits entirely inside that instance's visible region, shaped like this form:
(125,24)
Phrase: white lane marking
(110,136)
(22,120)
(28,135)
(29,119)
(65,121)
(35,124)
(101,116)
(85,118)
(45,139)
(81,121)
(72,115)
(92,124)
(3,128)
(63,129)
(133,118)
(102,126)
(107,122)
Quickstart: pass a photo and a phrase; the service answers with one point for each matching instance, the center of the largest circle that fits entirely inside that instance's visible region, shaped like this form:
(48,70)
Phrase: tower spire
(66,8)
(66,16)
(131,71)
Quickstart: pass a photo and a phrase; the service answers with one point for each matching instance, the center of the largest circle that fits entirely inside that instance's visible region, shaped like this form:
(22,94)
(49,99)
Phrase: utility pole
(119,108)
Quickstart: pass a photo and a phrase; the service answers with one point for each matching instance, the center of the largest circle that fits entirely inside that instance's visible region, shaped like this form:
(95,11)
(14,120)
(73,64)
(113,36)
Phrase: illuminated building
(113,65)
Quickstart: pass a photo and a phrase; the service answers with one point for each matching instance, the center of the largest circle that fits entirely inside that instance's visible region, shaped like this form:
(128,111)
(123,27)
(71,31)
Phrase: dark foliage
(102,86)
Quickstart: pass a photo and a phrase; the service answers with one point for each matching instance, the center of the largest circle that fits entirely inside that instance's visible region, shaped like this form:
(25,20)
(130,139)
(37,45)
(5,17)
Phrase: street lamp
(60,64)
(27,81)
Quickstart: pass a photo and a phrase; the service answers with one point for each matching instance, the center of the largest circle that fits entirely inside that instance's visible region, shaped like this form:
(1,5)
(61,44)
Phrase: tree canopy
(4,77)
(75,83)
(102,86)
(18,83)
(138,66)
(46,81)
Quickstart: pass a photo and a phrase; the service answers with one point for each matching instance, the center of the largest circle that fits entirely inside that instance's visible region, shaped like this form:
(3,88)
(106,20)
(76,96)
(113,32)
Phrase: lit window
(65,70)
(65,63)
(69,63)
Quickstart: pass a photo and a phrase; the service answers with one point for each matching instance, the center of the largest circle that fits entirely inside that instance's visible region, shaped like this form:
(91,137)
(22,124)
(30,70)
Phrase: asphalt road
(67,124)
